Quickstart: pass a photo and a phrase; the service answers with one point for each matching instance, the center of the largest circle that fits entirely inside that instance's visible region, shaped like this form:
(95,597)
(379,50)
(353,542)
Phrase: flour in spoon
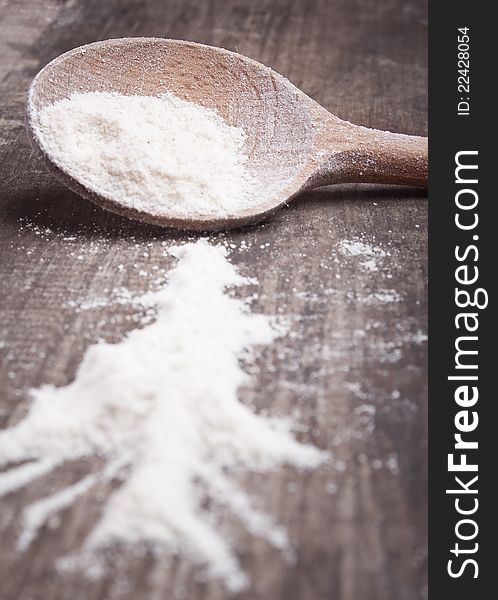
(159,415)
(161,155)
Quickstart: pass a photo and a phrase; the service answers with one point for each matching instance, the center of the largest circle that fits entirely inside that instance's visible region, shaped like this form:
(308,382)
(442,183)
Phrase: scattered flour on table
(160,411)
(161,154)
(368,254)
(377,297)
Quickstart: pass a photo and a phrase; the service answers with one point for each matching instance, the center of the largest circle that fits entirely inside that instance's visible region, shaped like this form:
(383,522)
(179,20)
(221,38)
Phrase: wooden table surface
(353,373)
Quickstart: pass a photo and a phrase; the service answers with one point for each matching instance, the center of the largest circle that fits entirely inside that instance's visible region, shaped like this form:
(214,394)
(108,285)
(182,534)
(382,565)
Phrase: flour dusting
(160,412)
(368,254)
(162,155)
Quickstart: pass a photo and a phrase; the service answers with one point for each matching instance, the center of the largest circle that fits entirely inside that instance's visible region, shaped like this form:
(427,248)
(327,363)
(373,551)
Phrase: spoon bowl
(293,143)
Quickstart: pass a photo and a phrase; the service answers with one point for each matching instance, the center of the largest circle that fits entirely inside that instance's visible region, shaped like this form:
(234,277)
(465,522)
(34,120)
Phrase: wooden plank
(356,369)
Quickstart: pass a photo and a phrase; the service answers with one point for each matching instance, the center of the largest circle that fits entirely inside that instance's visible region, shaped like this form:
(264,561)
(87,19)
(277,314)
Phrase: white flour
(369,254)
(160,410)
(161,155)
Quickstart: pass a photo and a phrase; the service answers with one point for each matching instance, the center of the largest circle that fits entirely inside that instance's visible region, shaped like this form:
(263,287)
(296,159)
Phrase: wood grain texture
(355,370)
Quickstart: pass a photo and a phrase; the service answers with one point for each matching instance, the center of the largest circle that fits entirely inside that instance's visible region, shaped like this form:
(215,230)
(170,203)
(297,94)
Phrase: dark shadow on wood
(370,192)
(50,204)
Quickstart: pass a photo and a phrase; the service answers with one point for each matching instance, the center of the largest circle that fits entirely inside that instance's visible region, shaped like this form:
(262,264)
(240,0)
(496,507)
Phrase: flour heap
(161,413)
(162,155)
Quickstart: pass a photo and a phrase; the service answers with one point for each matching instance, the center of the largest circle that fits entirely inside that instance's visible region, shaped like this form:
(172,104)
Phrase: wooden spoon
(294,144)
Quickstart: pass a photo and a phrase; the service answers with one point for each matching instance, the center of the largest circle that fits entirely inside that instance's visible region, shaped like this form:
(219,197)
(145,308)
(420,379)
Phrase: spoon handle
(377,157)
